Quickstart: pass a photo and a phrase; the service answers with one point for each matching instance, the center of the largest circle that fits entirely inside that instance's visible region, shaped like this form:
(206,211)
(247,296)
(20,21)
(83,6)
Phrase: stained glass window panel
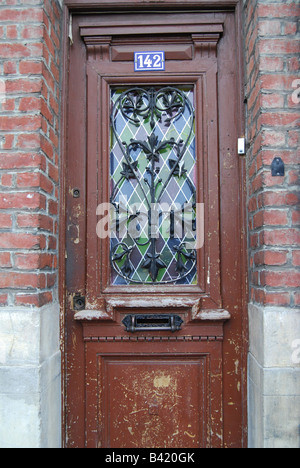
(153,186)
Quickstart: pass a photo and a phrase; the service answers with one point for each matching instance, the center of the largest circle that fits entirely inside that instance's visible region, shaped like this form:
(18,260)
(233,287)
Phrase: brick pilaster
(30,32)
(273,84)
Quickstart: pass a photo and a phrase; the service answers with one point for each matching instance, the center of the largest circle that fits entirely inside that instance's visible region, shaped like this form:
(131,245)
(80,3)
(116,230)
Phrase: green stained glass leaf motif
(153,186)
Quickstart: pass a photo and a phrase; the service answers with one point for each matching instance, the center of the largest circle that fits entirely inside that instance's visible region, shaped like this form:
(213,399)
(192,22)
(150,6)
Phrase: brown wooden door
(154,321)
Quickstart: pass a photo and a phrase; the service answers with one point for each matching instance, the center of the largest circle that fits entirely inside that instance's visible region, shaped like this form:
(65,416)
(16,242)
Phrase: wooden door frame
(98,6)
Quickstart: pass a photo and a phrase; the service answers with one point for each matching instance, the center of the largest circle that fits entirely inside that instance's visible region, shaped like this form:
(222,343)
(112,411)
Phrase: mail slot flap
(147,322)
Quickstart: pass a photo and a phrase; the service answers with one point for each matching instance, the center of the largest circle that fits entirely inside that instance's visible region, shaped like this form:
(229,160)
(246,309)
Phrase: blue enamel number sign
(149,61)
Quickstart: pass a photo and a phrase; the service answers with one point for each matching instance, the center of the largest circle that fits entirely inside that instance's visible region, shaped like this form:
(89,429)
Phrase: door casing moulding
(104,5)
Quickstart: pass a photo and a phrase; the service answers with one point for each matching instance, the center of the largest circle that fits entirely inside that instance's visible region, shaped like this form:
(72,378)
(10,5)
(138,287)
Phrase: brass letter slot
(138,323)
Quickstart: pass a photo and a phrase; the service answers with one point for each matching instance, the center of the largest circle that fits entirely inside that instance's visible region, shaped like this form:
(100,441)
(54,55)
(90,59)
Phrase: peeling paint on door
(147,407)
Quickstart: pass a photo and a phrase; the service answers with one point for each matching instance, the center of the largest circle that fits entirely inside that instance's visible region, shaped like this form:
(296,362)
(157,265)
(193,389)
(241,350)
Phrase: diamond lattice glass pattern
(153,180)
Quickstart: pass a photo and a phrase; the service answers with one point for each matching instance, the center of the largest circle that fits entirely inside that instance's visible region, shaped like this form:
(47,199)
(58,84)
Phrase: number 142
(146,61)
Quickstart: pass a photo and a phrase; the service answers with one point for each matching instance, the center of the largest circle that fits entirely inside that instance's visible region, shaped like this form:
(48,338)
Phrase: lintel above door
(163,24)
(149,28)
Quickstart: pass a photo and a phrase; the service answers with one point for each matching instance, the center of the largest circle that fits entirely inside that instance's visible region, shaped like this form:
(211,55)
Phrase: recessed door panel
(155,392)
(149,404)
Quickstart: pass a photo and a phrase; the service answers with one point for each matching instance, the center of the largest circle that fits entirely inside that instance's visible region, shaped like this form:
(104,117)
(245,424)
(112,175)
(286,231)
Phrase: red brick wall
(272,56)
(29,150)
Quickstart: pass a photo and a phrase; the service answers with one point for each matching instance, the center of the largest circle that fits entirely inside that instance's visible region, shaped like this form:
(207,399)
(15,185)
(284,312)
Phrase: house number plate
(149,61)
